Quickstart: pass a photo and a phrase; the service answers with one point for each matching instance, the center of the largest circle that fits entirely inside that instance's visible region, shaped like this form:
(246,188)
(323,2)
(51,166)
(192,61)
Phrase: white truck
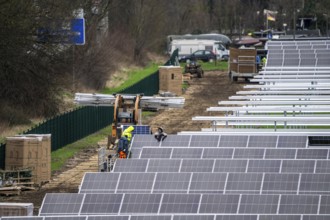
(188,46)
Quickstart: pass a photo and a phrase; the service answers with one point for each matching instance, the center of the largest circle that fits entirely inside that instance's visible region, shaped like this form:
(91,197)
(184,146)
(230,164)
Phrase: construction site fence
(83,121)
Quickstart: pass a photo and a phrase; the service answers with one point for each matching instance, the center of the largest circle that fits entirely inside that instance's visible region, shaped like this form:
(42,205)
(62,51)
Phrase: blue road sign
(78,31)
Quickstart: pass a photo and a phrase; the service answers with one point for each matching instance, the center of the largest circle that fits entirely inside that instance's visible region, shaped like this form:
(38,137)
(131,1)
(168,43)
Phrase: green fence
(74,125)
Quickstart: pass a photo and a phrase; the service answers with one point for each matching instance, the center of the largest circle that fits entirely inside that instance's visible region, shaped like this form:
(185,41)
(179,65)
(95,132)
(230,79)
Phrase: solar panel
(108,217)
(164,165)
(140,203)
(322,166)
(263,204)
(101,204)
(230,166)
(312,153)
(156,152)
(208,183)
(61,204)
(244,183)
(303,204)
(292,142)
(101,182)
(213,203)
(187,153)
(218,153)
(325,205)
(298,166)
(236,217)
(193,217)
(233,141)
(264,166)
(132,165)
(190,165)
(174,182)
(139,141)
(136,182)
(280,183)
(248,153)
(138,129)
(176,141)
(66,218)
(204,141)
(280,153)
(180,203)
(263,141)
(151,217)
(279,217)
(315,183)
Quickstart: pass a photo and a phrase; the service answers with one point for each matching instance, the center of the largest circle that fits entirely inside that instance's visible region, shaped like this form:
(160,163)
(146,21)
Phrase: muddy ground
(201,94)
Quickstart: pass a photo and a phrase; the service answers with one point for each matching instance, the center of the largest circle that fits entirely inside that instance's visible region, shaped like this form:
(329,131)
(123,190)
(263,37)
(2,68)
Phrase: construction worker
(264,61)
(128,133)
(160,135)
(124,141)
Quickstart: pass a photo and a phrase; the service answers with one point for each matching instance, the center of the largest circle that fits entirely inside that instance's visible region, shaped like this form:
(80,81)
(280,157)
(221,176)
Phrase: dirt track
(202,93)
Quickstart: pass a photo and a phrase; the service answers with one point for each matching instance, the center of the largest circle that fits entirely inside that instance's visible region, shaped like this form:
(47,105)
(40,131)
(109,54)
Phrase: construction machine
(127,108)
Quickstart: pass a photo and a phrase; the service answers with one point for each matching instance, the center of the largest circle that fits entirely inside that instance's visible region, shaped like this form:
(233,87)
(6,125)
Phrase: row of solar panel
(93,204)
(301,52)
(299,56)
(297,47)
(233,153)
(300,42)
(222,165)
(176,217)
(275,141)
(223,183)
(298,62)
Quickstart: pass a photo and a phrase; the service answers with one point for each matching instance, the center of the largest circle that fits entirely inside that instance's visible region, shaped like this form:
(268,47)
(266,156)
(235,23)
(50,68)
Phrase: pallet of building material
(10,190)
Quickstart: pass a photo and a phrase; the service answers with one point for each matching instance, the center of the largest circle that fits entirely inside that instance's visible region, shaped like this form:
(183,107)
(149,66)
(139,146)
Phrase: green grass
(211,66)
(134,76)
(60,156)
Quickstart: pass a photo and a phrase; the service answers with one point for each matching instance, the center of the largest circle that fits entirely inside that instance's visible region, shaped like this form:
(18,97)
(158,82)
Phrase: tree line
(37,70)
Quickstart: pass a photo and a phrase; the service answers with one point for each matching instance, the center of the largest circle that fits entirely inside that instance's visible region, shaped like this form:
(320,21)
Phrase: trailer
(245,62)
(188,46)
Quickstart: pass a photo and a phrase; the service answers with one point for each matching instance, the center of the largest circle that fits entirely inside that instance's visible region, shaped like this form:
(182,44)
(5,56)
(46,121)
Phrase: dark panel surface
(101,204)
(156,152)
(280,183)
(187,153)
(264,166)
(204,140)
(164,165)
(141,203)
(218,153)
(180,203)
(244,183)
(131,165)
(190,165)
(207,183)
(172,182)
(261,204)
(135,182)
(263,141)
(230,166)
(61,203)
(249,153)
(298,166)
(298,204)
(103,182)
(219,203)
(233,141)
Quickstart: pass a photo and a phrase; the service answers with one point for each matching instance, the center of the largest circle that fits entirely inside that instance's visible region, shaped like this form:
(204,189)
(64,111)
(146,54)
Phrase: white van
(187,47)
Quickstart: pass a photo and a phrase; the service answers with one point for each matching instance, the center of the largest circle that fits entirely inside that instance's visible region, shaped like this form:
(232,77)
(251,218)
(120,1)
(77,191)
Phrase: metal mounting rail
(284,92)
(88,99)
(276,102)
